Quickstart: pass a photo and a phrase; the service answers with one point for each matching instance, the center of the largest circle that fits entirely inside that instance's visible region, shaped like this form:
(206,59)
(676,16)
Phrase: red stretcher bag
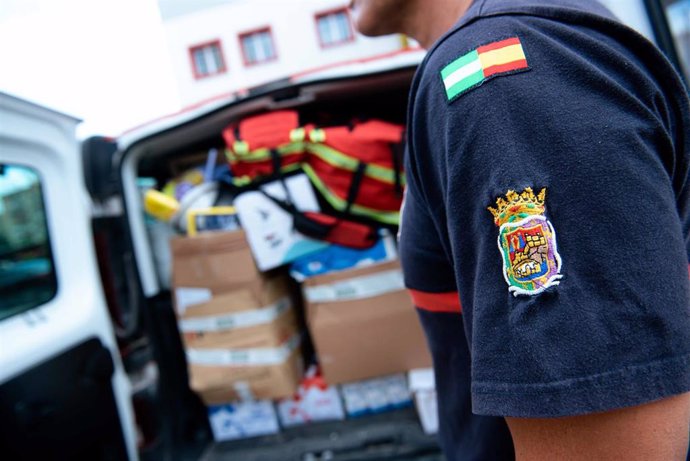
(252,143)
(356,168)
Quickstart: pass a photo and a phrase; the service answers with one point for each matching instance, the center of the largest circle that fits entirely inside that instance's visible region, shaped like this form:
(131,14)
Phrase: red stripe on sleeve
(511,66)
(437,302)
(497,45)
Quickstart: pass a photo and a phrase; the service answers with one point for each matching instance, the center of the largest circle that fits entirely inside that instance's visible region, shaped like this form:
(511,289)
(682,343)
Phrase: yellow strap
(261,155)
(340,160)
(241,148)
(386,217)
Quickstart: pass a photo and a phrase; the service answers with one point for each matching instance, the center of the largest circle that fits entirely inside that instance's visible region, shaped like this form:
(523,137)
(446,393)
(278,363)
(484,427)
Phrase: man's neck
(432,19)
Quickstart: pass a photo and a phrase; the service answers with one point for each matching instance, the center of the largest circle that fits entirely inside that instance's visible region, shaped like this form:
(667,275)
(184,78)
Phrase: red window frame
(221,69)
(321,14)
(245,58)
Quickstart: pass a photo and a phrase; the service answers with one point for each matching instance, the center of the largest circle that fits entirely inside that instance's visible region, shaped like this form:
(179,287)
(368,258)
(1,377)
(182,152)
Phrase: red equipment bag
(249,144)
(358,168)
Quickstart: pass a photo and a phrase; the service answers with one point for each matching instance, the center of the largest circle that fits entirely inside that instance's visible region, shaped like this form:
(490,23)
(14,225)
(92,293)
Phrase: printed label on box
(237,320)
(357,288)
(243,357)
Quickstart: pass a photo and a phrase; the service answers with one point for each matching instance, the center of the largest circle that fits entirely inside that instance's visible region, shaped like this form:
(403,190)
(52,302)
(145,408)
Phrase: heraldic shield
(527,241)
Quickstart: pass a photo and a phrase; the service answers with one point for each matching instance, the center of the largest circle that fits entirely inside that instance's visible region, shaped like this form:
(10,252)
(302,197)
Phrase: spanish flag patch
(488,61)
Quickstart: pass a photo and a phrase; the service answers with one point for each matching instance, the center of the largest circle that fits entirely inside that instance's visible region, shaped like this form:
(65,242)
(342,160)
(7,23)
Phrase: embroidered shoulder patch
(527,241)
(488,61)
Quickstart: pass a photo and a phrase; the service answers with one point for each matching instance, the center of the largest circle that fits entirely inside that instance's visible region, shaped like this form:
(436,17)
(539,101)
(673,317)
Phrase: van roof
(16,100)
(405,58)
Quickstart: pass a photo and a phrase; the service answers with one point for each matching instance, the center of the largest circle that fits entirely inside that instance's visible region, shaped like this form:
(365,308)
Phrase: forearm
(651,432)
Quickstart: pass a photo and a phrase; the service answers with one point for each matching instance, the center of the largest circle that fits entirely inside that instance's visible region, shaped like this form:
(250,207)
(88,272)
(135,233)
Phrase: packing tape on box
(236,320)
(366,286)
(244,357)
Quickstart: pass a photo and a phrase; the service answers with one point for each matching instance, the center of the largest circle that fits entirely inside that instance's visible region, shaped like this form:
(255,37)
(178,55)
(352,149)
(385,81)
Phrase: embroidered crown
(518,206)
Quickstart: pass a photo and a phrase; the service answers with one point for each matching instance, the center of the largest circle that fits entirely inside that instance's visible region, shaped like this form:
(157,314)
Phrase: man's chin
(365,23)
(371,30)
(367,28)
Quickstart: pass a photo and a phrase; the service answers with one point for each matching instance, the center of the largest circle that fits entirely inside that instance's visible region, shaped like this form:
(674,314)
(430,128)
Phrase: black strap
(287,206)
(355,185)
(236,131)
(275,162)
(301,222)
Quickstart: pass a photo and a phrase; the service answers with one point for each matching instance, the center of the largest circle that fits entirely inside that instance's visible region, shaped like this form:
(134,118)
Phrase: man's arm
(651,432)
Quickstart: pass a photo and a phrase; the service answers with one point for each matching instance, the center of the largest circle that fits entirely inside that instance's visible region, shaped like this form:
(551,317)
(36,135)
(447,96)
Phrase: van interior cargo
(181,427)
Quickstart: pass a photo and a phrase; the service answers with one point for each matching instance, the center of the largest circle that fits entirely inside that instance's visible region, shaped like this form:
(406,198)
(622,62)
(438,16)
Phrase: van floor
(388,436)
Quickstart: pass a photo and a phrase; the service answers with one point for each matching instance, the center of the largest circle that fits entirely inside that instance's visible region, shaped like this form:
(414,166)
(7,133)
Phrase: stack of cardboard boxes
(243,330)
(239,326)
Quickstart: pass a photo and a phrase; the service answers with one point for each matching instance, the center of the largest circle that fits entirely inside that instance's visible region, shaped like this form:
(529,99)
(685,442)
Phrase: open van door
(63,391)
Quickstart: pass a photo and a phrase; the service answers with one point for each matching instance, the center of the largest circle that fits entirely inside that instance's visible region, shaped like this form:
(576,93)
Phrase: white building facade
(223,46)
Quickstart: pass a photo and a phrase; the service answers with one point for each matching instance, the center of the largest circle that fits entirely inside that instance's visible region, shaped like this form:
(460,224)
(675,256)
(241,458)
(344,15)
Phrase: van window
(27,273)
(678,13)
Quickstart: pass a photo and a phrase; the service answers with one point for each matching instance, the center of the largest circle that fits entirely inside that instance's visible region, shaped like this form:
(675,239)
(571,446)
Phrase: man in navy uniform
(546,228)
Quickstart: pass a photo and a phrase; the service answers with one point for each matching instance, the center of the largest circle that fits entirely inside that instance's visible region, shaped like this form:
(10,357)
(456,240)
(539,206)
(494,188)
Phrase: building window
(334,28)
(207,59)
(258,47)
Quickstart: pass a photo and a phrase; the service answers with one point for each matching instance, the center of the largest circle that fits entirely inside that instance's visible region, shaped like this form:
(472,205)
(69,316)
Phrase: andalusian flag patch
(488,61)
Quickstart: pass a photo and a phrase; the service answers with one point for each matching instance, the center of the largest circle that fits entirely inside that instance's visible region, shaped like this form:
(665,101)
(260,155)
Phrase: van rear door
(63,392)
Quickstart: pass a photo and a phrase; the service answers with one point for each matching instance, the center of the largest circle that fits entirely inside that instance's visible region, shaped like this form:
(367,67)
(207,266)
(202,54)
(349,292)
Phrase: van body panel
(44,141)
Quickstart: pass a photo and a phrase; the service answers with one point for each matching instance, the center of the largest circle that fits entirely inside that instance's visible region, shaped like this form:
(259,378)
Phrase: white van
(91,362)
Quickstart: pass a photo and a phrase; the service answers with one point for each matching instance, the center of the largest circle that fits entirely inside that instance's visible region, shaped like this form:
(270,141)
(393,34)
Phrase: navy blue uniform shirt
(546,226)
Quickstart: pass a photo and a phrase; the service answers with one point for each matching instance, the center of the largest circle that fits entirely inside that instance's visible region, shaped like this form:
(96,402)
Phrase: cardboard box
(363,324)
(242,419)
(225,375)
(260,314)
(262,361)
(265,335)
(216,261)
(238,325)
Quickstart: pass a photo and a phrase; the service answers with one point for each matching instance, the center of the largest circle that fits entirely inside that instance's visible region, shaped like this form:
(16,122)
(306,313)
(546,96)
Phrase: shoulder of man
(495,42)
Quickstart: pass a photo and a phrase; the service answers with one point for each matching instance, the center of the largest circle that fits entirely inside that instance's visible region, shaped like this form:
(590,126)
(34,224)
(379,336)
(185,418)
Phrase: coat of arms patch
(527,241)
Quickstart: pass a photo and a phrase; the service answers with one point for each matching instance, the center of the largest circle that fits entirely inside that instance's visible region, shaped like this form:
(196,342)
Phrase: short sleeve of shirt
(576,282)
